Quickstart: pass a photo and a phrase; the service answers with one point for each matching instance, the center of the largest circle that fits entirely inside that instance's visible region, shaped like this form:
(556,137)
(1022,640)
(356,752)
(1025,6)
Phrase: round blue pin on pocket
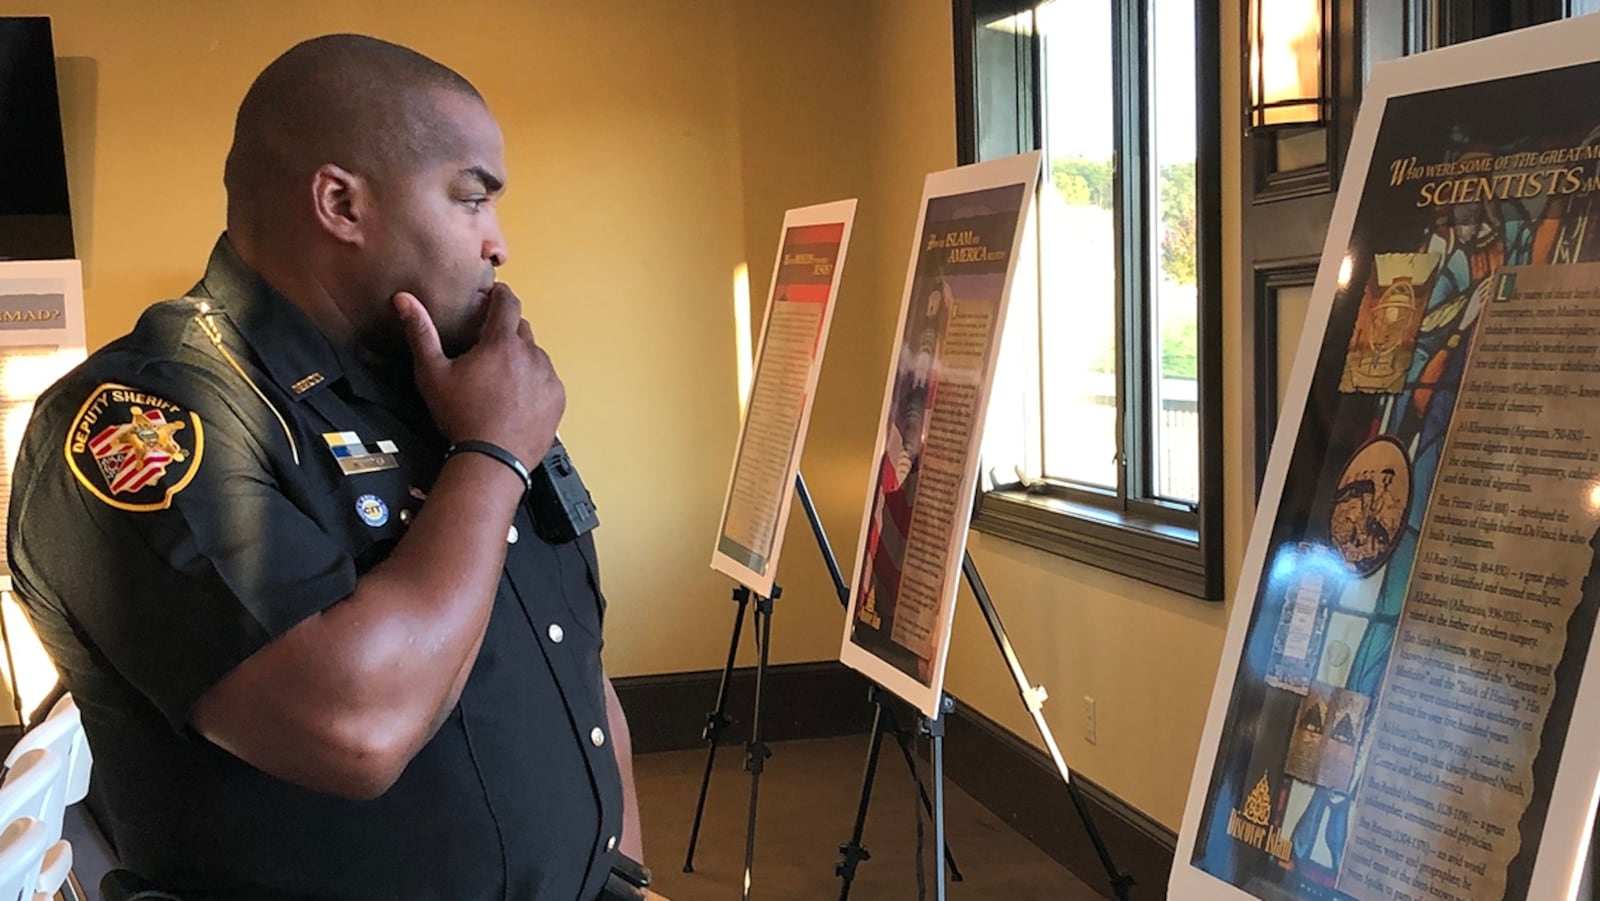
(372,510)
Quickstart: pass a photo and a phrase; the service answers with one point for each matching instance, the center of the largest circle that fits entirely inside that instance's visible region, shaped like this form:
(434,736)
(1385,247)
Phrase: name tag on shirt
(357,456)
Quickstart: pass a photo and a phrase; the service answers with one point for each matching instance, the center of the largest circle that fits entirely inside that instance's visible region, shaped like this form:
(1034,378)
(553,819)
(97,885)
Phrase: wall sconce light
(1288,81)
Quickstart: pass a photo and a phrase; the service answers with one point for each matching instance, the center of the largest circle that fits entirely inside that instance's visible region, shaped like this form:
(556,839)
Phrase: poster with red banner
(805,280)
(923,479)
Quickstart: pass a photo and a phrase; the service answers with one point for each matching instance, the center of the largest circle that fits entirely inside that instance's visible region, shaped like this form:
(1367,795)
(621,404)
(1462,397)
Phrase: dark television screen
(35,222)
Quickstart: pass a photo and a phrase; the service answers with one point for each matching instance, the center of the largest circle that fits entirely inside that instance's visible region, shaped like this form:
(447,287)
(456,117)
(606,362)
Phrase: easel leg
(852,852)
(934,729)
(936,732)
(1120,880)
(716,721)
(756,752)
(882,719)
(903,737)
(1033,698)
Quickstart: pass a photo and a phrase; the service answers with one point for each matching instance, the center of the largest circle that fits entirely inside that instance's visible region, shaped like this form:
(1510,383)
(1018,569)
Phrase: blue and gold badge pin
(372,510)
(133,450)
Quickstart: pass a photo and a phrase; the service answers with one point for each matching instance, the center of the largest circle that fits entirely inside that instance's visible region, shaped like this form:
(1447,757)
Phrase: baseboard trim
(1019,783)
(800,701)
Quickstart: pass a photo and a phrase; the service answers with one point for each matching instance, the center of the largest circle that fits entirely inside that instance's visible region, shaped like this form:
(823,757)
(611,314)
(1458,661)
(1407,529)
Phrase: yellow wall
(801,146)
(653,147)
(831,108)
(624,218)
(1147,656)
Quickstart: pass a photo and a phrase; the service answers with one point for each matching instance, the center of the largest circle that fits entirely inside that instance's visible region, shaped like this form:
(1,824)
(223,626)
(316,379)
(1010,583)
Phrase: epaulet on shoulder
(152,359)
(166,321)
(157,336)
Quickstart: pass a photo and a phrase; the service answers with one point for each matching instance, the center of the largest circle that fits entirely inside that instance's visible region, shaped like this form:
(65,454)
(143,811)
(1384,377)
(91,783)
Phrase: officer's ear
(341,202)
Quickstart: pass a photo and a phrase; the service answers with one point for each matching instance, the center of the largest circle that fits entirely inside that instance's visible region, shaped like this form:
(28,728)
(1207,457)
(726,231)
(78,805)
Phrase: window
(1104,436)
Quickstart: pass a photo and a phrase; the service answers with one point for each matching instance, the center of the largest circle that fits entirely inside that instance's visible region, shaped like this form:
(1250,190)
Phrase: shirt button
(597,737)
(511,536)
(611,843)
(405,517)
(556,633)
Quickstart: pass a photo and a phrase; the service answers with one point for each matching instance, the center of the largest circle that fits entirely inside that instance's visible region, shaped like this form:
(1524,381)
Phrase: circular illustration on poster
(1337,653)
(1370,505)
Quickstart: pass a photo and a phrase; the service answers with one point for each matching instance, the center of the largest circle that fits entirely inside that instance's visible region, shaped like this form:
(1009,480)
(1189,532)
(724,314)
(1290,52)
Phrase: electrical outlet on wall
(1090,727)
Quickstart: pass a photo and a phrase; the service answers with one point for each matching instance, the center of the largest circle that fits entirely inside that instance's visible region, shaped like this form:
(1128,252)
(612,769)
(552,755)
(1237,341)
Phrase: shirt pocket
(368,512)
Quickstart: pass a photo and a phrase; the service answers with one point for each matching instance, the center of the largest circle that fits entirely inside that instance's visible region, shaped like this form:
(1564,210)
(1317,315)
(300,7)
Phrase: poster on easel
(1408,702)
(924,475)
(41,338)
(805,281)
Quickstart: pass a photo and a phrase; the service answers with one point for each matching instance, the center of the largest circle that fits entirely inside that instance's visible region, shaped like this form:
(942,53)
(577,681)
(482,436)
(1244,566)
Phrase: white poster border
(68,338)
(69,335)
(1021,169)
(1563,847)
(837,212)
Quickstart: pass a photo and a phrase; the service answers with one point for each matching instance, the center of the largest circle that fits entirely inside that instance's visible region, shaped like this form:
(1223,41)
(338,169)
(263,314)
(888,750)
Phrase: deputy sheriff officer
(278,544)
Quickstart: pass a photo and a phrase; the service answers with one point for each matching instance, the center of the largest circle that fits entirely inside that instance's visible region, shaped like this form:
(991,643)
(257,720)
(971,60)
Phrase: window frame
(1270,279)
(1128,530)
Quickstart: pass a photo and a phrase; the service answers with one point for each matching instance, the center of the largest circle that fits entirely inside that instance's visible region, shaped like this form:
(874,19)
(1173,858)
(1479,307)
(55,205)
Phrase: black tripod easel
(884,720)
(1034,700)
(1033,697)
(756,751)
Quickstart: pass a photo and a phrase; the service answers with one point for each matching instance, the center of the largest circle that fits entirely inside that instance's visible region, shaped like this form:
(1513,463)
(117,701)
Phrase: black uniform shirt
(178,505)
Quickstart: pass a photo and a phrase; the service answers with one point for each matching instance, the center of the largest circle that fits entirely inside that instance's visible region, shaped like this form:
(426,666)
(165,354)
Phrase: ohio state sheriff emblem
(133,450)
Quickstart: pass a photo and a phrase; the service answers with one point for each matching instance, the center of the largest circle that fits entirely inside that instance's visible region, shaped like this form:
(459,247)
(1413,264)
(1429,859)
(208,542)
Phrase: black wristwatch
(629,881)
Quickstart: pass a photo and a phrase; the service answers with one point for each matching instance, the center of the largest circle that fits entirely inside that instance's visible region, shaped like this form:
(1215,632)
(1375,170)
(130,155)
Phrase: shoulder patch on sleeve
(133,450)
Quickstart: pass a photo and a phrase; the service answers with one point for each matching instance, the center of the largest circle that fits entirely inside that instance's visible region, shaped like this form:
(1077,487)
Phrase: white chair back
(22,847)
(29,789)
(62,732)
(61,735)
(31,792)
(54,869)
